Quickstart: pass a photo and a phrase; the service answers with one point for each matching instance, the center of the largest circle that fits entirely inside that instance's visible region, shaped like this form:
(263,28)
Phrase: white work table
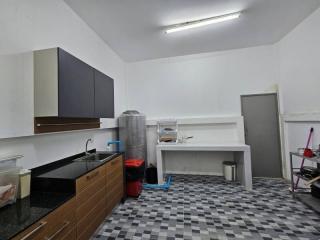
(242,157)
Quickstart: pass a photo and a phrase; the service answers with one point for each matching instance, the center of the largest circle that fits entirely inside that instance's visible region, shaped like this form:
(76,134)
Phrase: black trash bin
(152,175)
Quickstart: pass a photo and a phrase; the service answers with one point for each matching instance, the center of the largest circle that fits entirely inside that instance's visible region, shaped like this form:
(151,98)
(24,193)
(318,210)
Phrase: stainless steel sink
(96,157)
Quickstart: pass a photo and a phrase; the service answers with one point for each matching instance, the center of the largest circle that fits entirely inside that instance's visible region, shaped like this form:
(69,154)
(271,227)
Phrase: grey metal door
(261,123)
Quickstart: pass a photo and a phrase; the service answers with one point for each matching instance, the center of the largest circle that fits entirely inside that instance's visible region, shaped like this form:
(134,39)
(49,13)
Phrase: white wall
(200,86)
(46,148)
(299,54)
(210,84)
(16,95)
(38,24)
(30,25)
(299,59)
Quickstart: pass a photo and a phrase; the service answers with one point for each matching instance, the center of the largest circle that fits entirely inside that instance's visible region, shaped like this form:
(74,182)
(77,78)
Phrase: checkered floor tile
(208,207)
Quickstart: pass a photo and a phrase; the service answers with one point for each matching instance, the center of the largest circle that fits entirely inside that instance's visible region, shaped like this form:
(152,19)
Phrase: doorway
(261,124)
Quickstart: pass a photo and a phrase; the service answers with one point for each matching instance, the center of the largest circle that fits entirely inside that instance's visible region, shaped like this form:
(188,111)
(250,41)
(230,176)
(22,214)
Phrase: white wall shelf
(201,120)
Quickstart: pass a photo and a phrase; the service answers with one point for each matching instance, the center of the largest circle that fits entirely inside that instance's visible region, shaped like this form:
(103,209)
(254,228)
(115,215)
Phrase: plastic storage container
(9,184)
(167,131)
(24,183)
(229,171)
(8,163)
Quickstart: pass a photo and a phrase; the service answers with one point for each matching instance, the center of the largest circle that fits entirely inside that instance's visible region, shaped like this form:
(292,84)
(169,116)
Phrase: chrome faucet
(87,142)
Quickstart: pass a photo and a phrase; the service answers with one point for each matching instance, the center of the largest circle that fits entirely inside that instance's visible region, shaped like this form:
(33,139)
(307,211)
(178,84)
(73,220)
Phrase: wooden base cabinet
(91,196)
(97,193)
(59,224)
(115,183)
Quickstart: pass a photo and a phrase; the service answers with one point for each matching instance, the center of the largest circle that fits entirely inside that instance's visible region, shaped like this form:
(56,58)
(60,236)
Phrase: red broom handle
(302,162)
(307,146)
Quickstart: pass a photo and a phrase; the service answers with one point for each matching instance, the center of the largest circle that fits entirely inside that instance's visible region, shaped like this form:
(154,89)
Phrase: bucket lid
(134,162)
(131,112)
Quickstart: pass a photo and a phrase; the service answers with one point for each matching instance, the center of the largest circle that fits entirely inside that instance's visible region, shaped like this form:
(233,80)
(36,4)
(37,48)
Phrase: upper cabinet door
(104,95)
(76,87)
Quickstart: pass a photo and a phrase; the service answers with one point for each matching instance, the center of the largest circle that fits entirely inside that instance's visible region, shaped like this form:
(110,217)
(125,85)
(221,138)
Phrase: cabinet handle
(66,124)
(41,225)
(89,177)
(66,223)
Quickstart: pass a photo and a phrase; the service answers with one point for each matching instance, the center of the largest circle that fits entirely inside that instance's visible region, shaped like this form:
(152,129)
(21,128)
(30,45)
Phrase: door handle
(89,177)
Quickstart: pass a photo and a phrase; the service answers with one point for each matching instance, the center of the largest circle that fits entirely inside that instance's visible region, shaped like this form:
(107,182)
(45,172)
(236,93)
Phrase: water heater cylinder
(132,133)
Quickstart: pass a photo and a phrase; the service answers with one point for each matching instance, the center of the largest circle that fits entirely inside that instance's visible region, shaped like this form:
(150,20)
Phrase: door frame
(278,121)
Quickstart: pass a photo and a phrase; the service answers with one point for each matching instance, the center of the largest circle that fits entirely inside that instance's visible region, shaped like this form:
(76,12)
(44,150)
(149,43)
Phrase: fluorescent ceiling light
(202,22)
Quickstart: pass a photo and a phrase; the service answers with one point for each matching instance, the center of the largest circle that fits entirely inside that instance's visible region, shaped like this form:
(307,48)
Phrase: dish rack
(167,131)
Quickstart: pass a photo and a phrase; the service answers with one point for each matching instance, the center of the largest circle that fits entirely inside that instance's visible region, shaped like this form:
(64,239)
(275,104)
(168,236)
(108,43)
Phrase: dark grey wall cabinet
(104,95)
(76,86)
(67,87)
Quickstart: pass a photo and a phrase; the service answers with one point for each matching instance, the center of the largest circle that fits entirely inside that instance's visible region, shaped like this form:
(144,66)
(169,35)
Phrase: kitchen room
(225,115)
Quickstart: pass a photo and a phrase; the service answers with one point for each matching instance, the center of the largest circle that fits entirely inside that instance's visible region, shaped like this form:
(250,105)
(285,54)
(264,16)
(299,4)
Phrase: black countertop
(72,170)
(51,185)
(17,217)
(69,169)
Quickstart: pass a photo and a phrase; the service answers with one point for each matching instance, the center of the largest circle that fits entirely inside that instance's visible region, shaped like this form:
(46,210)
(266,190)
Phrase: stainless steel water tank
(132,134)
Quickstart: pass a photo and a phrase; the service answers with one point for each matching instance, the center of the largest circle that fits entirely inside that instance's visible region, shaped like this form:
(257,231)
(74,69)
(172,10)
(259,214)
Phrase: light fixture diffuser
(202,22)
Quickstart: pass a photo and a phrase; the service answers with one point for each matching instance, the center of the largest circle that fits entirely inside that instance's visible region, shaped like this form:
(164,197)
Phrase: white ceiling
(134,28)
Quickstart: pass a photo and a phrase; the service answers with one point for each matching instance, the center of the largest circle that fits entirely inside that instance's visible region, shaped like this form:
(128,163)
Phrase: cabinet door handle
(92,175)
(41,225)
(65,224)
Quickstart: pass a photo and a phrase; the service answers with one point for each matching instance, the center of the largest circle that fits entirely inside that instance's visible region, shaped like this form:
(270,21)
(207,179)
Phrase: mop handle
(307,146)
(302,162)
(309,138)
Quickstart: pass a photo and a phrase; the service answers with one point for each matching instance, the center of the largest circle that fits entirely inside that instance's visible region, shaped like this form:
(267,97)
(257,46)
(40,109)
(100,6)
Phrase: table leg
(244,172)
(291,172)
(160,166)
(247,170)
